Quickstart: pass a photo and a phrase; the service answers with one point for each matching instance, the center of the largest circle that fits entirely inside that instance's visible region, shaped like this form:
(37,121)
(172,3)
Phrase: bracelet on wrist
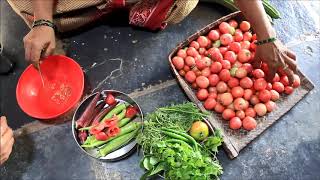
(43,22)
(271,39)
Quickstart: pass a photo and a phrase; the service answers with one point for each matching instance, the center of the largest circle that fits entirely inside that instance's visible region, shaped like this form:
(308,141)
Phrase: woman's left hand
(277,56)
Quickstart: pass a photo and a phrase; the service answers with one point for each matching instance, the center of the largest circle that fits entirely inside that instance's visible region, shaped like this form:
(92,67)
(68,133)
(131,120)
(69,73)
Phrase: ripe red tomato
(238,36)
(249,123)
(240,104)
(101,136)
(254,100)
(260,84)
(110,99)
(202,94)
(276,78)
(288,90)
(222,87)
(247,36)
(201,64)
(191,51)
(278,86)
(269,86)
(240,114)
(216,67)
(210,103)
(230,56)
(227,114)
(212,95)
(230,106)
(190,61)
(248,67)
(233,23)
(235,123)
(244,55)
(264,95)
(237,64)
(223,50)
(274,95)
(270,106)
(261,109)
(202,51)
(224,75)
(178,62)
(296,81)
(244,26)
(247,94)
(202,82)
(225,64)
(235,47)
(226,39)
(284,80)
(225,99)
(219,108)
(245,44)
(237,91)
(213,79)
(250,112)
(182,53)
(215,54)
(233,82)
(205,72)
(195,44)
(212,89)
(182,72)
(241,72)
(186,68)
(224,27)
(190,76)
(246,83)
(253,45)
(131,112)
(203,41)
(214,35)
(258,73)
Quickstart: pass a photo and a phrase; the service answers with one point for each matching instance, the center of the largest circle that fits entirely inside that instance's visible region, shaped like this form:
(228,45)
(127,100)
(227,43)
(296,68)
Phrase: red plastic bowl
(62,90)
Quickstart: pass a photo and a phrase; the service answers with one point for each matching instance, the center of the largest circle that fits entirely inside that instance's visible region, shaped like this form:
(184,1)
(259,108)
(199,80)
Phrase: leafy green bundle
(178,159)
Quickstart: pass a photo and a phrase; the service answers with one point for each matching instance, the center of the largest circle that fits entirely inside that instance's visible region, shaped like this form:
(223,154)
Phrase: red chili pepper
(101,136)
(93,131)
(113,131)
(110,123)
(131,112)
(110,99)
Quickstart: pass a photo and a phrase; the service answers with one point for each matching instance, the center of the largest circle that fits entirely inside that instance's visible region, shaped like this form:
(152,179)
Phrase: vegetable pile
(218,67)
(170,151)
(107,125)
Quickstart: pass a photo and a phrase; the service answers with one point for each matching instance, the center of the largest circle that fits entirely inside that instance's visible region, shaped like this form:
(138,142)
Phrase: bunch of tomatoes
(218,67)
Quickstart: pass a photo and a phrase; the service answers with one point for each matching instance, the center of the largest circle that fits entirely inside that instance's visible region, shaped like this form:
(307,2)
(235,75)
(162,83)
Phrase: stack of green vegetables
(169,150)
(271,11)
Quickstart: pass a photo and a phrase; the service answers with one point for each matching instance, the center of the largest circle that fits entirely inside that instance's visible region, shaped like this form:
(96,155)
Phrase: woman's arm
(40,38)
(275,54)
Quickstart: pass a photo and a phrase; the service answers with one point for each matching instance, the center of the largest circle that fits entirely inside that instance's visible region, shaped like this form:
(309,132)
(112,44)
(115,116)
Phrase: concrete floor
(287,150)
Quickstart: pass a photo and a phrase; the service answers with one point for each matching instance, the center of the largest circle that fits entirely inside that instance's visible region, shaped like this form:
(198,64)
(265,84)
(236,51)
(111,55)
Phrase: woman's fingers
(6,137)
(291,54)
(291,63)
(272,70)
(6,151)
(3,125)
(36,50)
(289,73)
(256,63)
(49,50)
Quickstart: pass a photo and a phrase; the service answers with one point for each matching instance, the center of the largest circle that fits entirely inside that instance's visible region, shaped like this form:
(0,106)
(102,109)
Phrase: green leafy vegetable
(174,152)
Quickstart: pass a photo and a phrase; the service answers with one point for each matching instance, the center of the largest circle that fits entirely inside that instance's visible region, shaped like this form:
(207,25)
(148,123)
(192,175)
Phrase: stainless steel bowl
(123,151)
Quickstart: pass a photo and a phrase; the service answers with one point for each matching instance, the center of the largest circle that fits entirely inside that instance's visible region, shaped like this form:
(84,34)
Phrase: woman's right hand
(40,39)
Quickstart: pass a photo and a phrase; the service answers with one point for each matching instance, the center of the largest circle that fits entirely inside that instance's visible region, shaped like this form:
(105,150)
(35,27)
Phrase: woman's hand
(276,55)
(40,41)
(6,140)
